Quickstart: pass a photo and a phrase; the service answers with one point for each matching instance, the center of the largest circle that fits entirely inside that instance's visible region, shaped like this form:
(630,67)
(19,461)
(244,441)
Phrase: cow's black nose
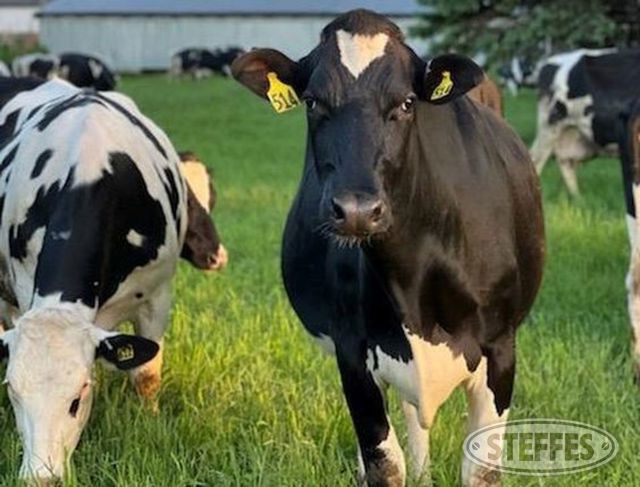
(358,214)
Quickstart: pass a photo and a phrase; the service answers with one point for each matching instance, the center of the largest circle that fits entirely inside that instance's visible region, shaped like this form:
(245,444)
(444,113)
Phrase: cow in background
(36,65)
(488,94)
(582,95)
(86,71)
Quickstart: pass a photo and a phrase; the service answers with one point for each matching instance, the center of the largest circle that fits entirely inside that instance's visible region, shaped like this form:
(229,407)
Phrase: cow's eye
(310,102)
(75,405)
(407,104)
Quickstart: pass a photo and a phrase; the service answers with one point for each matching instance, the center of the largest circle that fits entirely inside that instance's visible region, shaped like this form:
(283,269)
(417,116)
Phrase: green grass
(249,400)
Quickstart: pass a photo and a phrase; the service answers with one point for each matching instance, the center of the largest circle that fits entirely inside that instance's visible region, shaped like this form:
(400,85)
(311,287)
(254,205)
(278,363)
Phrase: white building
(136,35)
(19,16)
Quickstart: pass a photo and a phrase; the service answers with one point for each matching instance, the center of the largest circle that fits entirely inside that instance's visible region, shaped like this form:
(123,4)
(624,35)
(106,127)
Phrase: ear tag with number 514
(281,95)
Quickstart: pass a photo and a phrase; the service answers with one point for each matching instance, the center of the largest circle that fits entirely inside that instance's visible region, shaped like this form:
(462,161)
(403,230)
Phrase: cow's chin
(349,240)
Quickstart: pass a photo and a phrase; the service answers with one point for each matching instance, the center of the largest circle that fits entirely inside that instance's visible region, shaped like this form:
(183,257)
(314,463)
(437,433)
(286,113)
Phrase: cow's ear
(252,70)
(449,77)
(126,351)
(5,338)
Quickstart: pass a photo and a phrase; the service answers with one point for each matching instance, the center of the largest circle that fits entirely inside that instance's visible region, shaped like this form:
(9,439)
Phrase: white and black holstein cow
(37,65)
(200,62)
(414,247)
(86,71)
(581,97)
(94,214)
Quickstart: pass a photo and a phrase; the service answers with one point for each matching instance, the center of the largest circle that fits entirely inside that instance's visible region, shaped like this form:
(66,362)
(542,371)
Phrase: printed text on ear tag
(125,353)
(281,95)
(444,88)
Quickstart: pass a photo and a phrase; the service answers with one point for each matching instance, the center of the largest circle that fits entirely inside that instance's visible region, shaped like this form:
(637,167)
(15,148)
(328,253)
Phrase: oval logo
(540,447)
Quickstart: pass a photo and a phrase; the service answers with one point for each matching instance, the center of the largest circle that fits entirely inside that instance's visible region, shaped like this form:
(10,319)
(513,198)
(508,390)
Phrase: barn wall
(18,20)
(136,43)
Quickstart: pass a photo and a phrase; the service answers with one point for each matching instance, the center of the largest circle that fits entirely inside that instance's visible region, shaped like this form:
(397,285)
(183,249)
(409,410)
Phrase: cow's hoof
(147,385)
(484,477)
(384,473)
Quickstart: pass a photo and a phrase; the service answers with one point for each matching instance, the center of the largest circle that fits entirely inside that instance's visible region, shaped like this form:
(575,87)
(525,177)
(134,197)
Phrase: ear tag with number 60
(444,88)
(281,95)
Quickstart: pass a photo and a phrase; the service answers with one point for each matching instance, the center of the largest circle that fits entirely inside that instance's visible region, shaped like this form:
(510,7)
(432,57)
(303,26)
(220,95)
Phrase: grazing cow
(414,246)
(519,72)
(581,97)
(94,214)
(629,146)
(199,63)
(4,70)
(86,71)
(488,94)
(37,65)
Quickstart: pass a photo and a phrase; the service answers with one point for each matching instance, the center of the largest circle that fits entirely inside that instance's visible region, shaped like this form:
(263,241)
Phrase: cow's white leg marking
(543,144)
(418,443)
(482,412)
(151,322)
(390,447)
(633,285)
(357,51)
(325,342)
(568,171)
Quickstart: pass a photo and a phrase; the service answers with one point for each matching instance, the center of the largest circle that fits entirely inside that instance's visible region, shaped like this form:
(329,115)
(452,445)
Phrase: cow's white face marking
(95,67)
(357,51)
(198,180)
(134,238)
(49,380)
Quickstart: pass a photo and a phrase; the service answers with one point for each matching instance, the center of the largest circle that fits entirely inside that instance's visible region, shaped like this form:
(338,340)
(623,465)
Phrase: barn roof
(227,7)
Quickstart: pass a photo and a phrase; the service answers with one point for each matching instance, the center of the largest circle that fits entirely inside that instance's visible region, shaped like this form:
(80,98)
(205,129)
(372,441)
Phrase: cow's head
(50,356)
(202,245)
(362,87)
(104,79)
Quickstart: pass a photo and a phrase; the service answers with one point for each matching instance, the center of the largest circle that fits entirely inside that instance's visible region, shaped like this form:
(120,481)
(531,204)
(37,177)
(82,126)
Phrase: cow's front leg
(151,322)
(380,453)
(489,395)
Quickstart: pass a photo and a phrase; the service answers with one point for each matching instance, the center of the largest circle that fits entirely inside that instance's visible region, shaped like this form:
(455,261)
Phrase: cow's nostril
(338,210)
(212,259)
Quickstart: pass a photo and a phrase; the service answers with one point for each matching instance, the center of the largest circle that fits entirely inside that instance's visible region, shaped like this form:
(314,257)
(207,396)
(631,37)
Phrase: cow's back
(90,192)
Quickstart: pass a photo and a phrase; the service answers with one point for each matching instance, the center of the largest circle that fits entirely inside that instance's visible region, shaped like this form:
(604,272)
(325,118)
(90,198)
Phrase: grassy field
(249,400)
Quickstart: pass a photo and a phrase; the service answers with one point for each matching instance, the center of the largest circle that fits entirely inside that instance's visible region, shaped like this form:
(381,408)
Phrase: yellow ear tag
(125,353)
(444,88)
(281,95)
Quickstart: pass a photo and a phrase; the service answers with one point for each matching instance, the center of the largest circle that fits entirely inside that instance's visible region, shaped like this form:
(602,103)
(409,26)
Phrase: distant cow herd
(413,250)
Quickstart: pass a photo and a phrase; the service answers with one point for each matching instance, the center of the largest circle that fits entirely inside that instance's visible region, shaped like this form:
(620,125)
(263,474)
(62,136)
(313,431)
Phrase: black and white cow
(414,246)
(83,70)
(37,65)
(200,62)
(517,73)
(4,70)
(581,97)
(94,214)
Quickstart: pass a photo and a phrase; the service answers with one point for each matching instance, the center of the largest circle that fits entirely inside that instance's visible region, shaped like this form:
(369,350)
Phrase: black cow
(582,95)
(86,71)
(414,247)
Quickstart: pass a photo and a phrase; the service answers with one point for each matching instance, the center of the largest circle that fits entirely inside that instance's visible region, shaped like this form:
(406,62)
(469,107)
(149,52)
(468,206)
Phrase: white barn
(137,35)
(19,16)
